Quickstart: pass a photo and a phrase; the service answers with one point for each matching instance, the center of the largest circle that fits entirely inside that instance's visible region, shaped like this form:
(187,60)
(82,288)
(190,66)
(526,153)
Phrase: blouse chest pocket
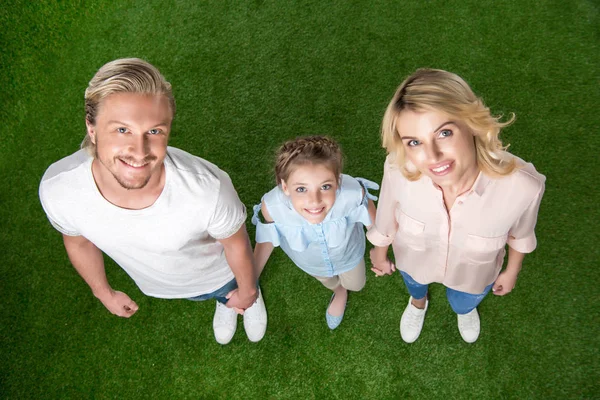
(482,250)
(412,232)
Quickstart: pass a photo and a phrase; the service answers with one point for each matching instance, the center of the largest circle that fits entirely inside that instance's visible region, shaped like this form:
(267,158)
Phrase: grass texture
(248,75)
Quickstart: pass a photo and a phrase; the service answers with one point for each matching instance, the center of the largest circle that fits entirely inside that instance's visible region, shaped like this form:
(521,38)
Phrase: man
(171,220)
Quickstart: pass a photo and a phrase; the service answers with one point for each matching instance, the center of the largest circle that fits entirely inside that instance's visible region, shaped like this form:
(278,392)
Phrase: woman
(451,199)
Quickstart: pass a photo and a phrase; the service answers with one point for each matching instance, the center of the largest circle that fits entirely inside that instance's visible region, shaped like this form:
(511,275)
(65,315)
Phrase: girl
(316,215)
(451,199)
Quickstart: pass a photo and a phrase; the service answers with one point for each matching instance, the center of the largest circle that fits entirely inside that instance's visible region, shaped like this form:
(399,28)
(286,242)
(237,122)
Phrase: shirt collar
(478,186)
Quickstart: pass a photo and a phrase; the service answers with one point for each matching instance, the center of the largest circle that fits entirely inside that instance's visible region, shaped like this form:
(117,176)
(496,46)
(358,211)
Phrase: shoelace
(414,318)
(252,316)
(467,321)
(223,313)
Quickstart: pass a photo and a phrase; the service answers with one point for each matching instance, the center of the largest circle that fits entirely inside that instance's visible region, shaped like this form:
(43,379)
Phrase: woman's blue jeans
(461,302)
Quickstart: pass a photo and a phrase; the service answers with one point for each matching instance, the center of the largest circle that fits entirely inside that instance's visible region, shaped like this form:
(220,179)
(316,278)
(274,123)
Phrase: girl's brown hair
(319,150)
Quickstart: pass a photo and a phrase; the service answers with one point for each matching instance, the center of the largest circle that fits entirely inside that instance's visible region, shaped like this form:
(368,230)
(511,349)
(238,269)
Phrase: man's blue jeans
(218,294)
(461,302)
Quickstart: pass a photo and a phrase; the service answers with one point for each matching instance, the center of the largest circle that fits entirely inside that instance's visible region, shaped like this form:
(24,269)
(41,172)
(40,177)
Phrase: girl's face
(311,189)
(440,147)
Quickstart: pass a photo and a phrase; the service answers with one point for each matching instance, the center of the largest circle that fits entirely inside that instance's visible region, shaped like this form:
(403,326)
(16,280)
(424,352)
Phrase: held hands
(240,300)
(505,283)
(381,267)
(119,304)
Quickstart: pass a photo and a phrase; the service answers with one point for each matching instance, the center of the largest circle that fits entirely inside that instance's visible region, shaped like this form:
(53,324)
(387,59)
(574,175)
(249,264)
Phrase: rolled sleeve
(230,212)
(377,239)
(62,230)
(521,236)
(383,232)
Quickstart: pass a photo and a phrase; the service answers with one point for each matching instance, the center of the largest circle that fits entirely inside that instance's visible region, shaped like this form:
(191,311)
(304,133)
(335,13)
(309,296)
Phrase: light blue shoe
(333,322)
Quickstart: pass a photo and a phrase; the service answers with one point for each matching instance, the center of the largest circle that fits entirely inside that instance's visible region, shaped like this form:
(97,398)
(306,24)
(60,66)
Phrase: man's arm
(238,253)
(89,263)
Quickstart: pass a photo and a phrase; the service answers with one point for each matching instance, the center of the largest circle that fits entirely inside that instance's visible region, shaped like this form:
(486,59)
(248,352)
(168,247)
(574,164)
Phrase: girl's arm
(383,231)
(505,282)
(370,208)
(372,212)
(379,259)
(262,251)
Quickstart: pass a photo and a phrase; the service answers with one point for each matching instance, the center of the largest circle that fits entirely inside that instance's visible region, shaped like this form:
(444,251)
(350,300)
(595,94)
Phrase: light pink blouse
(462,249)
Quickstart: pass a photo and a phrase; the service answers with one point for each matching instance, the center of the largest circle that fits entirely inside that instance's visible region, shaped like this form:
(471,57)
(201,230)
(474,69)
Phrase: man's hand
(505,283)
(241,300)
(119,304)
(241,261)
(381,265)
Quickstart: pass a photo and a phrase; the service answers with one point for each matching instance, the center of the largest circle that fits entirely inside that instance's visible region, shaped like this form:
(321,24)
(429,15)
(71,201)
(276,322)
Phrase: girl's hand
(381,267)
(505,283)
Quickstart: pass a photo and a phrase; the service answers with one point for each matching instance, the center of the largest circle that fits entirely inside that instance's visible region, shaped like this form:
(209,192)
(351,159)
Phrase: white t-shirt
(169,249)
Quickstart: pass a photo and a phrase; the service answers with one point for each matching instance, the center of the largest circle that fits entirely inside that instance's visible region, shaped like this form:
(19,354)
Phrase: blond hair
(315,150)
(434,89)
(125,75)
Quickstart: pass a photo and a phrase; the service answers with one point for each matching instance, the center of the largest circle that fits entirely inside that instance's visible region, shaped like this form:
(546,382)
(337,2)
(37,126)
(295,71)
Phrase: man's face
(131,134)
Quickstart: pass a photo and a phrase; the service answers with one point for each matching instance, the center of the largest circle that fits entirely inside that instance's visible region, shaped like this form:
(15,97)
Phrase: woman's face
(440,147)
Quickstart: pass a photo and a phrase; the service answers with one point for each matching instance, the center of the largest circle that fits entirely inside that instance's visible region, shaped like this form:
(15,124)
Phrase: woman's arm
(521,240)
(507,279)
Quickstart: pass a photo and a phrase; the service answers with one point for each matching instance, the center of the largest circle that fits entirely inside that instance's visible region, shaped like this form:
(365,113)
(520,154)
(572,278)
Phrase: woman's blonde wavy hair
(438,90)
(125,75)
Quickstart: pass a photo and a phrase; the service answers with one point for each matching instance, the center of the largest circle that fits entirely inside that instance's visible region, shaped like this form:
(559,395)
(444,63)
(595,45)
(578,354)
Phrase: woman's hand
(381,264)
(505,283)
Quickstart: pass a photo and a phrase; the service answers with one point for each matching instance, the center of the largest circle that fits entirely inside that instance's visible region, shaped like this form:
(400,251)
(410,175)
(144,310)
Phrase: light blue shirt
(326,249)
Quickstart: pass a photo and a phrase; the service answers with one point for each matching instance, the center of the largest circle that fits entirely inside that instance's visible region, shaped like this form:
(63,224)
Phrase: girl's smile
(311,189)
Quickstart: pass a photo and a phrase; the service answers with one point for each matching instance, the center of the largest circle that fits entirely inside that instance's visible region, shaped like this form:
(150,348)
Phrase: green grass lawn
(248,75)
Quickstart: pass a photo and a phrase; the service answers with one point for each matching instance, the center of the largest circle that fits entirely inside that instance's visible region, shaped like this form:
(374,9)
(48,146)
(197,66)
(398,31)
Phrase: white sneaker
(224,323)
(411,322)
(469,326)
(255,319)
